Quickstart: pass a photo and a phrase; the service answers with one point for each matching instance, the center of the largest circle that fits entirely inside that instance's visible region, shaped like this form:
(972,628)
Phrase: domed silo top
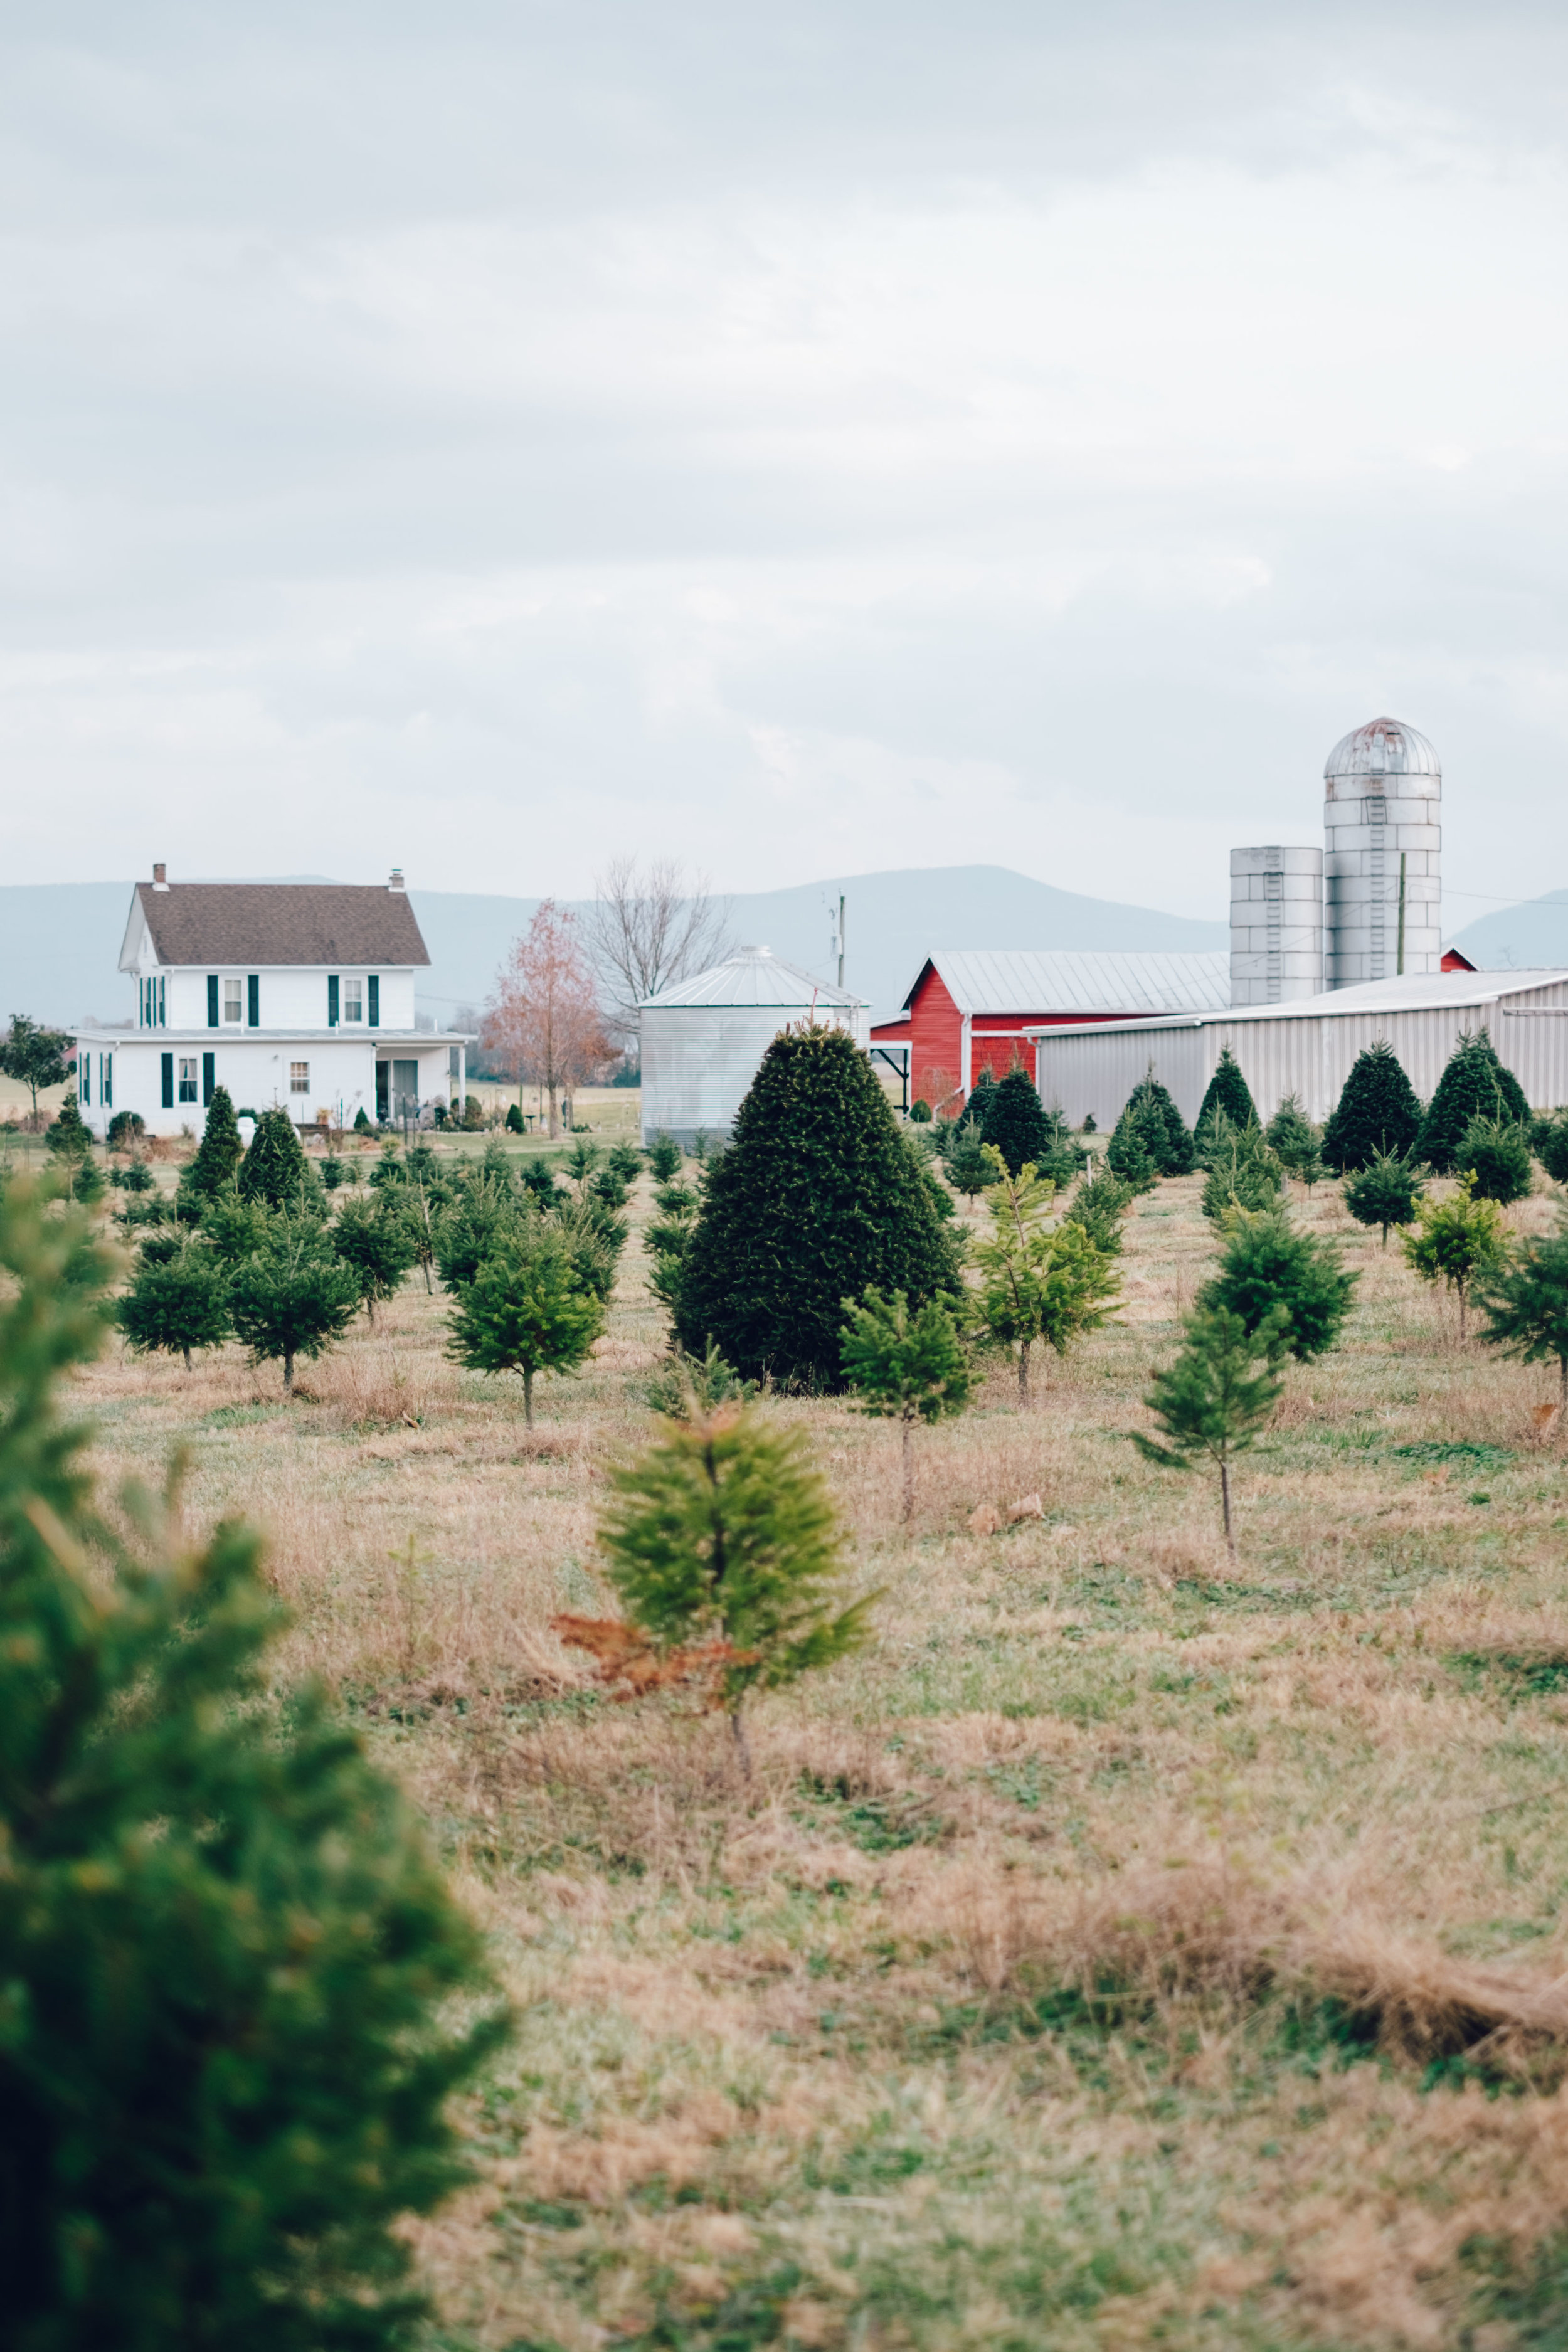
(752,976)
(1382,750)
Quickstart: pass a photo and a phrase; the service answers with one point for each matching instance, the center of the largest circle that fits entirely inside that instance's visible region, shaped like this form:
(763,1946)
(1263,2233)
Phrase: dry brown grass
(1126,1943)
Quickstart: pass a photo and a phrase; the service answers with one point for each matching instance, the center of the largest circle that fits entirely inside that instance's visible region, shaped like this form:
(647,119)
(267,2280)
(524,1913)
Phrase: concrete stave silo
(1381,876)
(1276,924)
(703,1039)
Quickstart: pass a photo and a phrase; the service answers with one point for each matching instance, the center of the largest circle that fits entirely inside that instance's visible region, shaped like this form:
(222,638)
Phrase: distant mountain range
(59,941)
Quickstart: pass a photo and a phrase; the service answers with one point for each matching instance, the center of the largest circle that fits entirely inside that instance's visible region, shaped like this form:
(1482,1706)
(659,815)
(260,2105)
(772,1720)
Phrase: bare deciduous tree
(541,1020)
(648,930)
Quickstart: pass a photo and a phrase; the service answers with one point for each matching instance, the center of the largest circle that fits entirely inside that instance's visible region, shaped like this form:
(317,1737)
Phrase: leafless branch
(648,928)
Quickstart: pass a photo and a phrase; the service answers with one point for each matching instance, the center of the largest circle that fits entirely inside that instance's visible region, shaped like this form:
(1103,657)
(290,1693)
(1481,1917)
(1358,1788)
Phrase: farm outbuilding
(976,1009)
(703,1040)
(1307,1048)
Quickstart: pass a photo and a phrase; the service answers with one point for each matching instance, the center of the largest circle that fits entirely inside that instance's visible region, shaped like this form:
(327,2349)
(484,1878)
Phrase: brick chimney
(160,878)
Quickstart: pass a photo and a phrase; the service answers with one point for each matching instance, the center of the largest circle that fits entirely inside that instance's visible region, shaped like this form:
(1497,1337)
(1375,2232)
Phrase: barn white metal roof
(1042,980)
(1442,990)
(1384,747)
(751,976)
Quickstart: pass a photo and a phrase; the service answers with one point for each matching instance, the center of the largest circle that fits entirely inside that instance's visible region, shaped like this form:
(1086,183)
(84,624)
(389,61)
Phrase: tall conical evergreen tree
(1377,1112)
(816,1200)
(1015,1121)
(275,1168)
(220,1151)
(69,1138)
(1475,1084)
(1228,1091)
(1152,1106)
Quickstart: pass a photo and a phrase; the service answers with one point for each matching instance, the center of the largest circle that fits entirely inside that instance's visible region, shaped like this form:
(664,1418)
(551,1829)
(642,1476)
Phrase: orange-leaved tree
(541,1020)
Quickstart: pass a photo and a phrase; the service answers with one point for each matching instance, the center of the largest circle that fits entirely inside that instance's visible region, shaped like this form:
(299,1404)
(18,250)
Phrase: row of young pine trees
(227,2040)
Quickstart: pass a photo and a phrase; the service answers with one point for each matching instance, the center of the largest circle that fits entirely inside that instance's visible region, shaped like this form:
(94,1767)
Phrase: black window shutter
(168,1081)
(212,1000)
(331,1000)
(209,1078)
(372,991)
(253,1005)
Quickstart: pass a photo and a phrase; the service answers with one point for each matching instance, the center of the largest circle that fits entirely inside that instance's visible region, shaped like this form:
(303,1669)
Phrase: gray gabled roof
(751,976)
(1048,980)
(262,923)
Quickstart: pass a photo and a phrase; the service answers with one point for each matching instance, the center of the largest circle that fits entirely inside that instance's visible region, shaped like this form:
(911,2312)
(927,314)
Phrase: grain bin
(1276,924)
(703,1039)
(1382,792)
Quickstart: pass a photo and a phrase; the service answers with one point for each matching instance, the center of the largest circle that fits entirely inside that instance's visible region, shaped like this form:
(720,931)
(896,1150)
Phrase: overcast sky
(799,439)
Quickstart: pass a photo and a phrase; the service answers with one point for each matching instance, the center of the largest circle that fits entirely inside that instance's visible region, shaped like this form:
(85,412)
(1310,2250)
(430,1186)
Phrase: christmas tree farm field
(1125,1946)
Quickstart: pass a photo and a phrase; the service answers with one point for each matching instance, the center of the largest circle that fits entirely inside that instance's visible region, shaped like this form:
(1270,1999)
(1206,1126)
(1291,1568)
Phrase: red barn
(970,1009)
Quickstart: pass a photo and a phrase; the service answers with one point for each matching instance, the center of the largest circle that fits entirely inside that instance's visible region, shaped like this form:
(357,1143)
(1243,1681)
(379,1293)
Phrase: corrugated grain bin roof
(1384,747)
(751,976)
(1031,979)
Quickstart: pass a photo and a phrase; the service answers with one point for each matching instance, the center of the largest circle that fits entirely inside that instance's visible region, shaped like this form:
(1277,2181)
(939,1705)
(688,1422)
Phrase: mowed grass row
(1124,1948)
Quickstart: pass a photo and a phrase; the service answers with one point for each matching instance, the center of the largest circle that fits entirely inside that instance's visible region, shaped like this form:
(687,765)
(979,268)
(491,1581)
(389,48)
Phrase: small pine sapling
(904,1367)
(1296,1143)
(1128,1156)
(968,1169)
(177,1305)
(1270,1267)
(690,1388)
(722,1533)
(219,1153)
(1229,1092)
(625,1161)
(1475,1084)
(1495,1153)
(1038,1283)
(514,1120)
(1455,1240)
(664,1157)
(1524,1303)
(293,1297)
(274,1168)
(1550,1141)
(921,1111)
(373,1241)
(1100,1206)
(1013,1121)
(69,1139)
(1243,1172)
(525,1311)
(1215,1398)
(1383,1192)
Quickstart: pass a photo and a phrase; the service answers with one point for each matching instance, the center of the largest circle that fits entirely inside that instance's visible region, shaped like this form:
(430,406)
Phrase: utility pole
(841,938)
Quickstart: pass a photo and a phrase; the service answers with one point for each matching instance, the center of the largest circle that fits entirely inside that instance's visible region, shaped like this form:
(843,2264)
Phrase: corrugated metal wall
(1309,1055)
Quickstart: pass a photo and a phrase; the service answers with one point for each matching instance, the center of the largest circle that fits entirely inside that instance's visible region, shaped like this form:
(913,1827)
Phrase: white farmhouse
(294,996)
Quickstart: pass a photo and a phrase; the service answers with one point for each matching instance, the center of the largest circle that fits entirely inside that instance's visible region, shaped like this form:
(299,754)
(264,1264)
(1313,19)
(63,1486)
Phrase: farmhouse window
(85,1088)
(188,1079)
(106,1080)
(231,1002)
(212,1000)
(354,1000)
(298,1077)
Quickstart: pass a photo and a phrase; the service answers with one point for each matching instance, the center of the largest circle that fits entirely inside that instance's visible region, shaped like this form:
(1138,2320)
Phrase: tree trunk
(1225,1505)
(429,1286)
(186,1353)
(742,1745)
(1562,1367)
(288,1371)
(554,1124)
(528,1396)
(909,1470)
(1023,1372)
(1460,1289)
(370,1311)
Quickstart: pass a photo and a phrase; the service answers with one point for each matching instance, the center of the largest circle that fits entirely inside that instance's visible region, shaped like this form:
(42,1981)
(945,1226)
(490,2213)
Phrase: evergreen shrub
(1495,1153)
(1383,1192)
(293,1295)
(1474,1084)
(1228,1091)
(176,1305)
(274,1168)
(220,1151)
(817,1199)
(1269,1268)
(1377,1111)
(1013,1121)
(225,1946)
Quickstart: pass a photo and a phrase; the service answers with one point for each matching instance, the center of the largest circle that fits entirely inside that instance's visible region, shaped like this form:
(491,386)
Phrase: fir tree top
(1164,1132)
(1475,1084)
(1377,1112)
(1013,1118)
(69,1136)
(220,1149)
(275,1167)
(817,1199)
(1228,1091)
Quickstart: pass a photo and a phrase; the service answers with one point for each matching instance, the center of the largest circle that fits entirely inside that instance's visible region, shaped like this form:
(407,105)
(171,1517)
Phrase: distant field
(1127,1948)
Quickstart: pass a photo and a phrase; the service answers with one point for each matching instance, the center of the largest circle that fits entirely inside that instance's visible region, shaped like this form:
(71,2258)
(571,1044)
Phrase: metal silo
(1276,924)
(703,1039)
(1384,838)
